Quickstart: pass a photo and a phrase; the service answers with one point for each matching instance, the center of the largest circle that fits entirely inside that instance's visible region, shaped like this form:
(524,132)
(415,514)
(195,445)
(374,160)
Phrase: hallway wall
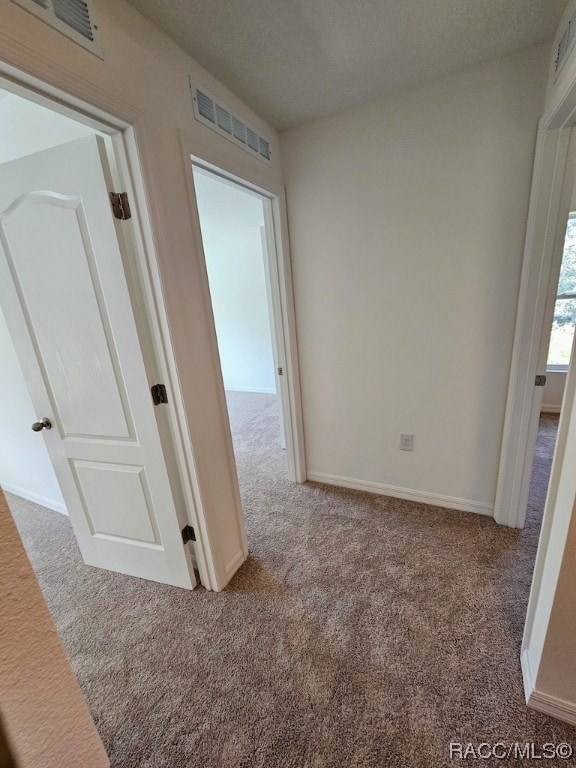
(46,718)
(407,223)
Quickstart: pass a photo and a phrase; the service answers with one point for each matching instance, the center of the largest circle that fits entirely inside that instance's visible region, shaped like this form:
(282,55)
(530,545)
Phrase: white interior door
(64,293)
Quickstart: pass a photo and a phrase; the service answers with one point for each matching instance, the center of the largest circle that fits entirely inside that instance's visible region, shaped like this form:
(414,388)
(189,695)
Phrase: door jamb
(120,121)
(548,212)
(232,168)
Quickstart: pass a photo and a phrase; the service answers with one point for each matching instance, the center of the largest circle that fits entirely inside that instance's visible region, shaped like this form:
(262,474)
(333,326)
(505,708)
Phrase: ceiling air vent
(73,18)
(566,43)
(218,117)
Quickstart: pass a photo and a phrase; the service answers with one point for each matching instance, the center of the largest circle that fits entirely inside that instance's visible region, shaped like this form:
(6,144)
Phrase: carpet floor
(362,632)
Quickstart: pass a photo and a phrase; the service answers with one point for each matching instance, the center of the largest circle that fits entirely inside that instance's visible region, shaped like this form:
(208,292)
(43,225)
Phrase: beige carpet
(362,632)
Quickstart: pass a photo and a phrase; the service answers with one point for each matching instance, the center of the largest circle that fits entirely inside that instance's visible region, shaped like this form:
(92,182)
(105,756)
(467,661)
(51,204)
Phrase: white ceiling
(294,60)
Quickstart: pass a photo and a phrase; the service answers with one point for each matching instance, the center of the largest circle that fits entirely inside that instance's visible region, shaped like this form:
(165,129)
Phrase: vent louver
(264,148)
(72,18)
(223,119)
(74,13)
(218,117)
(205,107)
(252,139)
(566,43)
(239,130)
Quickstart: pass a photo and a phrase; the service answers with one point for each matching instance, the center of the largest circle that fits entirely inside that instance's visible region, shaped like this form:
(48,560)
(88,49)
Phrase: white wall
(553,391)
(407,221)
(231,221)
(25,467)
(26,127)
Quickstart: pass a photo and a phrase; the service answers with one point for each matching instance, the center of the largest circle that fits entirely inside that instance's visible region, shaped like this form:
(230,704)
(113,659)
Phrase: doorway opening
(556,350)
(560,333)
(239,246)
(80,433)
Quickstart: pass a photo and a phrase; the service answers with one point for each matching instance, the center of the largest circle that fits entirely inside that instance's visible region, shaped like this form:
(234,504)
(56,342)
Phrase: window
(565,309)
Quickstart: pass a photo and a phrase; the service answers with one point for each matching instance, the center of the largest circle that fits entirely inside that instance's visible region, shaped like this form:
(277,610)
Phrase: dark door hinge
(159,394)
(540,380)
(188,534)
(120,205)
(280,371)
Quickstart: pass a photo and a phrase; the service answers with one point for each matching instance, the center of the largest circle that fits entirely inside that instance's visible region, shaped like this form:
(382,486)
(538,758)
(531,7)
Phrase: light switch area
(406,442)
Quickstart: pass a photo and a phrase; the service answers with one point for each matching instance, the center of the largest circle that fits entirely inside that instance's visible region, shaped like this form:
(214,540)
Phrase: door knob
(44,423)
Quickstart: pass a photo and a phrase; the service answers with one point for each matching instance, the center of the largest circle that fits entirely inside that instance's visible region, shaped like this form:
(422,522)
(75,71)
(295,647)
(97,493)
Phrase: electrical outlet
(406,442)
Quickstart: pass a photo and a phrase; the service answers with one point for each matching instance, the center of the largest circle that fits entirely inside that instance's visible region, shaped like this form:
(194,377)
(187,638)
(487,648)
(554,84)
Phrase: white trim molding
(43,501)
(407,494)
(544,702)
(253,390)
(550,408)
(234,564)
(553,706)
(527,676)
(549,208)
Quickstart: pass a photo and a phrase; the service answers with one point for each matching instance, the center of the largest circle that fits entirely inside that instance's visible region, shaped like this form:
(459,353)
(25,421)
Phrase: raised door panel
(107,488)
(67,318)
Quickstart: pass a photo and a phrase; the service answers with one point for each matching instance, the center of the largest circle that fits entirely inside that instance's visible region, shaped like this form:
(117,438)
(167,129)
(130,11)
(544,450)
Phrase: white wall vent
(566,44)
(73,18)
(222,120)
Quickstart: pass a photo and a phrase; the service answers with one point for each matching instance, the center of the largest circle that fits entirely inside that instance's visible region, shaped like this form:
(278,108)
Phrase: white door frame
(274,311)
(552,182)
(109,114)
(243,173)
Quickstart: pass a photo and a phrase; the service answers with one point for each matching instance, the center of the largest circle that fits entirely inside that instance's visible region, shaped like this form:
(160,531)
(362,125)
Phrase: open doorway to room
(542,379)
(558,340)
(240,262)
(79,431)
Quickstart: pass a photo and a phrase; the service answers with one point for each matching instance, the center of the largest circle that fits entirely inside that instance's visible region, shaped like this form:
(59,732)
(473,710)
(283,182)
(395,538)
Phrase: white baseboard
(550,408)
(527,676)
(544,702)
(553,706)
(234,564)
(56,506)
(437,500)
(251,389)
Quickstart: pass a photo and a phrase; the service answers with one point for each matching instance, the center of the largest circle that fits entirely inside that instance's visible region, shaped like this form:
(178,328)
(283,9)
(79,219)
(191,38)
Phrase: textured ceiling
(294,60)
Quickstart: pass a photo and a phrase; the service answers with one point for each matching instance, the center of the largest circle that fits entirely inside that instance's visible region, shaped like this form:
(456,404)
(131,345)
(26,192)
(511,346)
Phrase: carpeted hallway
(362,632)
